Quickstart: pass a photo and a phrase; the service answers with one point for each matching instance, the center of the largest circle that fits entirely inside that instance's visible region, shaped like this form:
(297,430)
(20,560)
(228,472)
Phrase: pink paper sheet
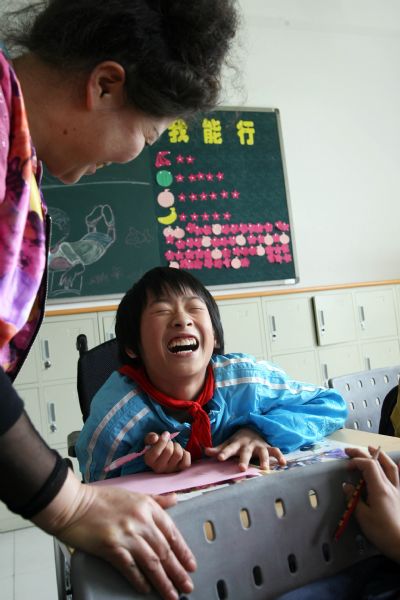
(202,472)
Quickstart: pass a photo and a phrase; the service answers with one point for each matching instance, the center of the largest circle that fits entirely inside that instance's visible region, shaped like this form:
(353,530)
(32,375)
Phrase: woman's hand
(379,515)
(131,531)
(246,443)
(165,456)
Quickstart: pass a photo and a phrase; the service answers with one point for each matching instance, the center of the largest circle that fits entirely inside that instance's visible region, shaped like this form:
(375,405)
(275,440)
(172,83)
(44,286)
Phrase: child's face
(177,341)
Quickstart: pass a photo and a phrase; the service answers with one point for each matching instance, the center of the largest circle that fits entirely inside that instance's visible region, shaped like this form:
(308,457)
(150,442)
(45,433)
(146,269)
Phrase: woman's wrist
(65,507)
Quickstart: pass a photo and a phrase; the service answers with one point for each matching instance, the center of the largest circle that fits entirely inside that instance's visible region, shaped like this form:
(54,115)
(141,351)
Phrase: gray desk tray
(256,553)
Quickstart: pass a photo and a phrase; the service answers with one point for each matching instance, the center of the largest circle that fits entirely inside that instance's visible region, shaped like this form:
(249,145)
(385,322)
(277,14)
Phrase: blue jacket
(287,414)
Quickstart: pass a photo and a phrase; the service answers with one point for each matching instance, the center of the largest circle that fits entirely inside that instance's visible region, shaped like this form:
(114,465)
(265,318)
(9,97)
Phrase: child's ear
(216,344)
(130,353)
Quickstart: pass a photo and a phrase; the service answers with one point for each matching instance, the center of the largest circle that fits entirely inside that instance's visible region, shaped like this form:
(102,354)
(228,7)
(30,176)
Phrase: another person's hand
(131,531)
(246,443)
(379,515)
(165,456)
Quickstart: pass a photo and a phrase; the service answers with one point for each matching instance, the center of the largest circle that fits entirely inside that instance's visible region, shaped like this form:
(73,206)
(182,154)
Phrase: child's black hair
(157,281)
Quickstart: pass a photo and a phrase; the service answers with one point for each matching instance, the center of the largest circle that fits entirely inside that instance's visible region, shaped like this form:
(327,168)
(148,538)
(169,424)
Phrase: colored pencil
(128,457)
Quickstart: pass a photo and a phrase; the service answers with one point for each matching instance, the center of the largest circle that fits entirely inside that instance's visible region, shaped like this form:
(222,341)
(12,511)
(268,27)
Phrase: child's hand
(165,456)
(378,515)
(246,443)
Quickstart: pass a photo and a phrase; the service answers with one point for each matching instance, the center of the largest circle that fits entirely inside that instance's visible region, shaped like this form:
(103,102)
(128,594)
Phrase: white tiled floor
(27,567)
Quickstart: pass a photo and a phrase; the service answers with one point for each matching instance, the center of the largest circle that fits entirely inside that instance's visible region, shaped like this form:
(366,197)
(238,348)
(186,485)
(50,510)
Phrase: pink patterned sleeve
(4,124)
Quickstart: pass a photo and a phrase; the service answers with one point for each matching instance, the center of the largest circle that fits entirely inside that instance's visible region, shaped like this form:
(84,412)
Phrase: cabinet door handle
(274,333)
(362,317)
(46,354)
(325,374)
(368,363)
(321,321)
(51,415)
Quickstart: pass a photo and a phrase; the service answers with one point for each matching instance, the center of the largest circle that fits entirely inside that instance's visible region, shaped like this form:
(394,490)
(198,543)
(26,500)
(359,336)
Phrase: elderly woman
(92,82)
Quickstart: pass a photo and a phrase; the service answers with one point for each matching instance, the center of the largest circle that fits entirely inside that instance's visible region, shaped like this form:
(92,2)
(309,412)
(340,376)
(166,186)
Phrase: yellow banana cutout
(168,219)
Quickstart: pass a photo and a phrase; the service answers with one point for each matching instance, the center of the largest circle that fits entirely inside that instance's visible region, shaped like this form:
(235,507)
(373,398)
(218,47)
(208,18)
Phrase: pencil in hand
(352,503)
(128,457)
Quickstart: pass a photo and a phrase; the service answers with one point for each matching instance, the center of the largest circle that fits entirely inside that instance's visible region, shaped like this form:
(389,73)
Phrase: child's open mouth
(183,345)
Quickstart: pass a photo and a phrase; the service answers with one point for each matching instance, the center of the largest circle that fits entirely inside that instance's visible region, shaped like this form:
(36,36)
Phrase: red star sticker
(190,159)
(194,216)
(179,178)
(192,197)
(209,176)
(192,177)
(203,196)
(235,194)
(200,176)
(224,194)
(215,216)
(182,217)
(219,176)
(182,197)
(227,216)
(205,217)
(213,195)
(180,159)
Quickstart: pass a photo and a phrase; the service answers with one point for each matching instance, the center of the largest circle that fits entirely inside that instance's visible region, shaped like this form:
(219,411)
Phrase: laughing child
(176,378)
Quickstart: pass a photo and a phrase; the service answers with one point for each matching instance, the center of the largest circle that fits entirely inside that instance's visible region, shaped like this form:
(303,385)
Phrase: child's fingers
(276,453)
(228,449)
(211,451)
(151,438)
(244,458)
(263,457)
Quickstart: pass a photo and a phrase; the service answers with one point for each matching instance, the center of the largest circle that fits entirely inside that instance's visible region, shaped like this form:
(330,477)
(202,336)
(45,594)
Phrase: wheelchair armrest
(71,442)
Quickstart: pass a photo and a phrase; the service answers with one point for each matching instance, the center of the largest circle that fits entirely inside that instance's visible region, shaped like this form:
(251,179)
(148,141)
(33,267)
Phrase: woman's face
(117,135)
(86,121)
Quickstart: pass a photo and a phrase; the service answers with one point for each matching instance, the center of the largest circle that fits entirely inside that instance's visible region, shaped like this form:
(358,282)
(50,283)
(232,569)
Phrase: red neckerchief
(200,435)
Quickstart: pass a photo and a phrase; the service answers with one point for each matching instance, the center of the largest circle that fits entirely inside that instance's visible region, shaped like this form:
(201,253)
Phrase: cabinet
(52,401)
(300,365)
(334,318)
(107,325)
(243,327)
(380,354)
(336,361)
(289,324)
(376,314)
(54,342)
(47,384)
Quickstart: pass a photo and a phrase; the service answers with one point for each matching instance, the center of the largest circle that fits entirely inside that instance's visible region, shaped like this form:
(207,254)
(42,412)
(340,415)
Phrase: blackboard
(210,196)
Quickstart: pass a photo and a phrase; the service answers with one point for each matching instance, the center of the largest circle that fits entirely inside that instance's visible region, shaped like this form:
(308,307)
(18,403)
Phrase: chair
(364,393)
(94,368)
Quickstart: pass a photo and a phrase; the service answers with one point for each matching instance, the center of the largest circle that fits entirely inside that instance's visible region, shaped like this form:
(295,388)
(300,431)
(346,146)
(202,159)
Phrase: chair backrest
(94,368)
(364,393)
(255,539)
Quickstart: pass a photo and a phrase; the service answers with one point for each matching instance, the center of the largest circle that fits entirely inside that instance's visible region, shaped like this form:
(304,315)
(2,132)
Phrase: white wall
(332,67)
